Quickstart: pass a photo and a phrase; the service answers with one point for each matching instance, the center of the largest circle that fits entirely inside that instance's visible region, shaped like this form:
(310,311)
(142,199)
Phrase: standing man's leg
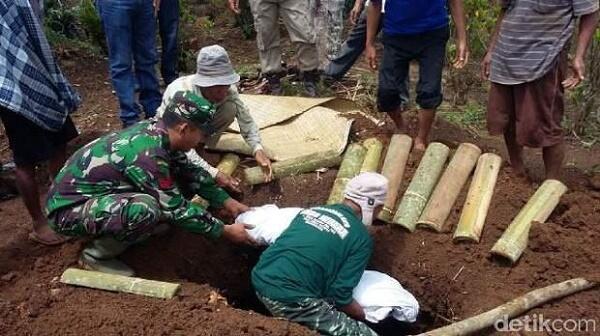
(32,145)
(350,50)
(116,220)
(429,87)
(266,23)
(393,79)
(297,17)
(335,26)
(501,120)
(168,24)
(117,22)
(146,56)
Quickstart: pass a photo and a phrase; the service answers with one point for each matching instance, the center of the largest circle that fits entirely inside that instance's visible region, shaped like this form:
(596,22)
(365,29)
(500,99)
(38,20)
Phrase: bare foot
(420,145)
(45,236)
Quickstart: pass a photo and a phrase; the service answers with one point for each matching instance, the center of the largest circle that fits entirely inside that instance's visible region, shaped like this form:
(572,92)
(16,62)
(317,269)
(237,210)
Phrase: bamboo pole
(119,283)
(415,198)
(446,191)
(479,196)
(539,207)
(350,167)
(371,162)
(304,164)
(513,308)
(393,168)
(228,164)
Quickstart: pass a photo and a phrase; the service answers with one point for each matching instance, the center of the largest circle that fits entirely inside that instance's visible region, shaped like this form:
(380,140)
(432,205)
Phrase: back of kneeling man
(308,274)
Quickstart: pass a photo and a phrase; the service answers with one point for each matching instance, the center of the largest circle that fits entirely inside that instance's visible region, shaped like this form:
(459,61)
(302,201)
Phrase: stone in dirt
(9,276)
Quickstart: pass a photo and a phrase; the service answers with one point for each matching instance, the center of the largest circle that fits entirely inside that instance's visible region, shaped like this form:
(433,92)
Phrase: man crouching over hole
(120,186)
(308,274)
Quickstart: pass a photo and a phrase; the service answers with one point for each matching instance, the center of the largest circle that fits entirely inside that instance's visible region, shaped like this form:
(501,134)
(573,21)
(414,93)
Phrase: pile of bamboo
(432,192)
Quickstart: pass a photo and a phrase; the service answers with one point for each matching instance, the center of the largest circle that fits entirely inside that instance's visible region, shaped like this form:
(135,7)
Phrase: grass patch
(471,116)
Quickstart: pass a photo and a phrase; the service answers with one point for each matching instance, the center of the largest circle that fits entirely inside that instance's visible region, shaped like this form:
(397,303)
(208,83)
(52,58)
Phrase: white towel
(381,295)
(269,222)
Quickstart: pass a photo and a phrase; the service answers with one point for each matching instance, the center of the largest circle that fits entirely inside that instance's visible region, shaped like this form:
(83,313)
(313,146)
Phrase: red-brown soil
(217,298)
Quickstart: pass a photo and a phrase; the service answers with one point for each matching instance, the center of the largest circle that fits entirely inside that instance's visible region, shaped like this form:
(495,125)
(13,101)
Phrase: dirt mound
(451,281)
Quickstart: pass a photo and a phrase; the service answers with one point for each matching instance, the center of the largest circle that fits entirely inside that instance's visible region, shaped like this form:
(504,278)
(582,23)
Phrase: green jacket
(322,254)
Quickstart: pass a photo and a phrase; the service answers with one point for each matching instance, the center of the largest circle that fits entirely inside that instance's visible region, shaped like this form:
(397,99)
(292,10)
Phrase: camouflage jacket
(139,159)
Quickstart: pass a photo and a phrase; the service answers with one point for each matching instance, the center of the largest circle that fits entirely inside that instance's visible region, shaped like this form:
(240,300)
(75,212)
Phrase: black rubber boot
(274,84)
(310,79)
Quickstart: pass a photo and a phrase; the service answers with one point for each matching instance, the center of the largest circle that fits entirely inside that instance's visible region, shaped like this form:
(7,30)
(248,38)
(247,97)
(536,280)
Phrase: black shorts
(429,49)
(31,144)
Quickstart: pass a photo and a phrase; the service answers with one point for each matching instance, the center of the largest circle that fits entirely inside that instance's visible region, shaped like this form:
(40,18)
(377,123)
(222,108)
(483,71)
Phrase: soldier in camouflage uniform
(120,186)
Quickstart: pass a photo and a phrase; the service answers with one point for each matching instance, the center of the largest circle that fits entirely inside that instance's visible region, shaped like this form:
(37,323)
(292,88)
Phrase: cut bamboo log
(446,191)
(304,164)
(371,162)
(415,198)
(228,164)
(119,283)
(393,168)
(479,196)
(539,207)
(500,315)
(350,167)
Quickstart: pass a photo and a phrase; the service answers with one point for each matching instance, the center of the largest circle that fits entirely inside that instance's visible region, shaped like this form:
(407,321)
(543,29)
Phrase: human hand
(234,6)
(236,233)
(156,4)
(263,160)
(485,65)
(355,12)
(228,182)
(462,54)
(234,207)
(578,69)
(371,54)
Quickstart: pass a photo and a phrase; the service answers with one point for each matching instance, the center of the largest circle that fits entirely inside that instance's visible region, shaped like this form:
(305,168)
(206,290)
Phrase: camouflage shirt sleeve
(152,174)
(199,180)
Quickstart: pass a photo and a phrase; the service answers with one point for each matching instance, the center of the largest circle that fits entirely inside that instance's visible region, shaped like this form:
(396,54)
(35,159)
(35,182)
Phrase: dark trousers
(429,49)
(351,50)
(168,28)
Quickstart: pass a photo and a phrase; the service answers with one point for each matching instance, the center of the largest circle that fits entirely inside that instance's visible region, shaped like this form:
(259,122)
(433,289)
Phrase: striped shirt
(532,35)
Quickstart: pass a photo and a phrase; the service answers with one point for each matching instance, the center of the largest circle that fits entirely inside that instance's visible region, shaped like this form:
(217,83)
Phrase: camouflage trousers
(129,217)
(319,315)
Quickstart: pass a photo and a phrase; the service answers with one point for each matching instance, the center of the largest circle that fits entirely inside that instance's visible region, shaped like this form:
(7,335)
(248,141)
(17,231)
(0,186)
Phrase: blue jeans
(130,28)
(351,50)
(168,27)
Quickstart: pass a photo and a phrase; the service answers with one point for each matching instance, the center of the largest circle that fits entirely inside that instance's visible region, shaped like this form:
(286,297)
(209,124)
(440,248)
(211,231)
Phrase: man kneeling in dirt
(118,187)
(215,81)
(308,274)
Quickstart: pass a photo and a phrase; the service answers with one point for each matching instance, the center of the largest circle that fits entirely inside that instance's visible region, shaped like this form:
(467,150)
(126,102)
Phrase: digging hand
(263,160)
(228,182)
(236,233)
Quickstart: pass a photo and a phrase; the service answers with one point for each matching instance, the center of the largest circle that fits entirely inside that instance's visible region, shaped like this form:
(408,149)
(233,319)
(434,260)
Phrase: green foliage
(77,26)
